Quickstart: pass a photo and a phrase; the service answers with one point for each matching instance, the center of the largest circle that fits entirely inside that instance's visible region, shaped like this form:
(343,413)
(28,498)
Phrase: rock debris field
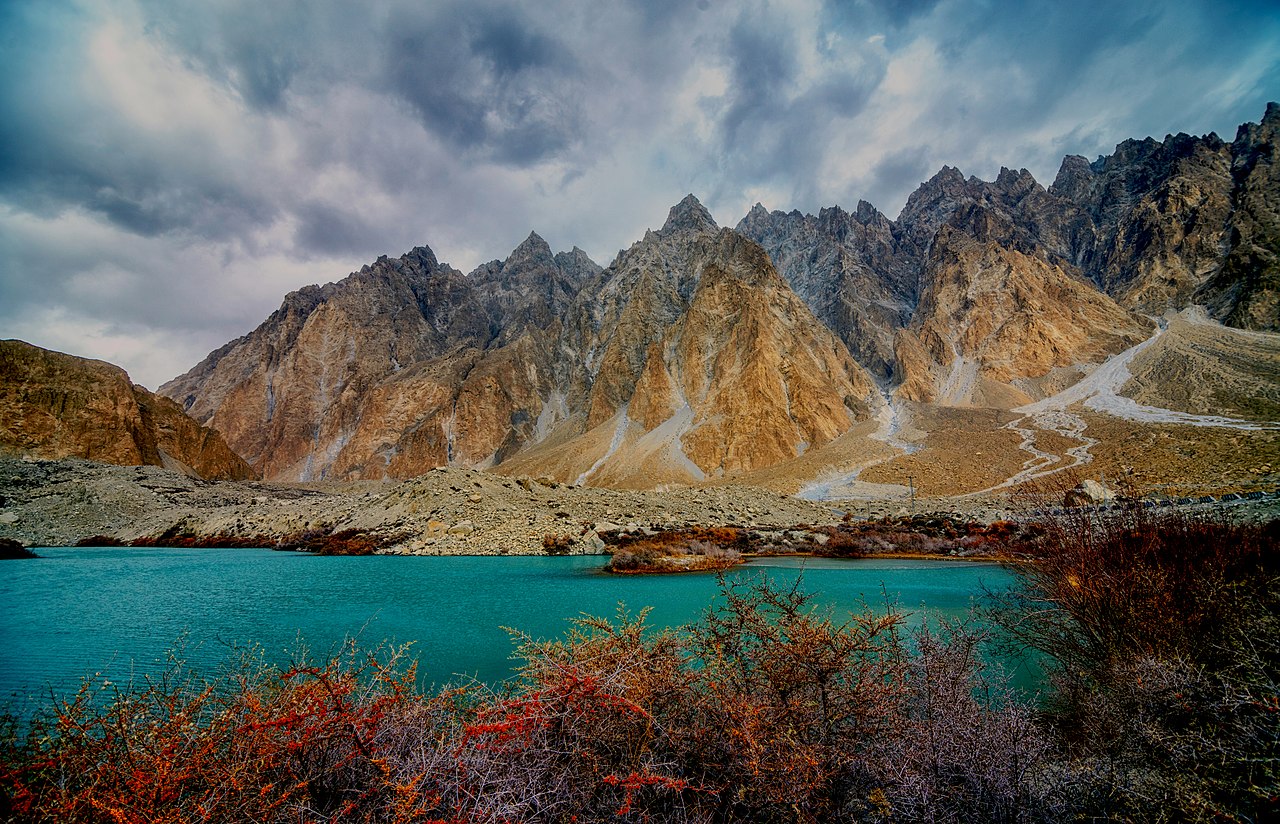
(446,511)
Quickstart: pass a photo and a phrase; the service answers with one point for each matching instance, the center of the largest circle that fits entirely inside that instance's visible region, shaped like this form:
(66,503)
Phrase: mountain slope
(994,322)
(703,362)
(848,269)
(404,365)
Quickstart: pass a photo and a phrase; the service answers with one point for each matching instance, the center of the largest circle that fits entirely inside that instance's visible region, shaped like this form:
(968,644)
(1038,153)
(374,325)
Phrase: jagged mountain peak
(948,183)
(758,220)
(689,215)
(1251,135)
(531,249)
(424,254)
(412,364)
(866,212)
(947,175)
(577,264)
(1016,182)
(1075,178)
(533,242)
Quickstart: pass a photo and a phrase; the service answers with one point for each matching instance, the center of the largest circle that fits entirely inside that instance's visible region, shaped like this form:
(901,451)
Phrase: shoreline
(746,559)
(893,556)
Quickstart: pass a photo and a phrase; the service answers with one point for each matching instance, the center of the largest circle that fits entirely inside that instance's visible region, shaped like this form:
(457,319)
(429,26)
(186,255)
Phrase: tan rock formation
(993,319)
(401,367)
(710,365)
(764,378)
(54,405)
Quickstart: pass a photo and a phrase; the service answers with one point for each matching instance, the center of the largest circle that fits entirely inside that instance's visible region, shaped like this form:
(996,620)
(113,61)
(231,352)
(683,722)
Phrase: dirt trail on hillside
(1100,392)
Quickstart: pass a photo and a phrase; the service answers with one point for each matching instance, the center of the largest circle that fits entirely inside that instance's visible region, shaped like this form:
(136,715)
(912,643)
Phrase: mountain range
(793,345)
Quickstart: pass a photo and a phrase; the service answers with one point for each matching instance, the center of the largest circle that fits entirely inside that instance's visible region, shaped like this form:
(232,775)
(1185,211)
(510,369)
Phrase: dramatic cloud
(171,168)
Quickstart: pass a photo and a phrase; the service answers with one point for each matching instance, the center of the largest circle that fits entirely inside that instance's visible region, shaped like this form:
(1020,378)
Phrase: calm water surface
(76,612)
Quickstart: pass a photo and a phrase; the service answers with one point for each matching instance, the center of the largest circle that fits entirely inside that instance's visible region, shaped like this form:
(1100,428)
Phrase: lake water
(77,612)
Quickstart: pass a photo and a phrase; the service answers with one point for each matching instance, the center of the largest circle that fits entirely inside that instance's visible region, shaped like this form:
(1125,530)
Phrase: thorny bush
(1163,642)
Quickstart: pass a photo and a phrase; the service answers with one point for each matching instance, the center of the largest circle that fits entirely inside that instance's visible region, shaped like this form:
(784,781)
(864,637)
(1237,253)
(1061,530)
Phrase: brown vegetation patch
(321,540)
(697,549)
(926,535)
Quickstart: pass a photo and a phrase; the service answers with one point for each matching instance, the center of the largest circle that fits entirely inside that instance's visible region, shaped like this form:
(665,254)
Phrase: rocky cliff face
(1245,291)
(704,362)
(994,321)
(1157,225)
(57,406)
(849,270)
(404,365)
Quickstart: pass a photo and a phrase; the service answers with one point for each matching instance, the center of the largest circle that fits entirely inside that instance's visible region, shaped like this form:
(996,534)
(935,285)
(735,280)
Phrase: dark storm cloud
(325,229)
(763,66)
(900,171)
(260,48)
(780,114)
(487,81)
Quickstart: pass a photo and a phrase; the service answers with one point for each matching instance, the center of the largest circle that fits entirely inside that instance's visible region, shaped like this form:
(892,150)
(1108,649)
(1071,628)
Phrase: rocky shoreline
(446,511)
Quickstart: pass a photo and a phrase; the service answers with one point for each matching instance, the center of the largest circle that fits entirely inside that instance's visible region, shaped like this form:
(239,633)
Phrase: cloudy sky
(169,169)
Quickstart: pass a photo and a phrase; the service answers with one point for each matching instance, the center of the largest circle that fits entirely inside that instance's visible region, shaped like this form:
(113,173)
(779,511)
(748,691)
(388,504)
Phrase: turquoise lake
(77,612)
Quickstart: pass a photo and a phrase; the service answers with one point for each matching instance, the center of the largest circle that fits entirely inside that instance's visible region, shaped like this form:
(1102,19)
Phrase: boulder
(1087,493)
(10,549)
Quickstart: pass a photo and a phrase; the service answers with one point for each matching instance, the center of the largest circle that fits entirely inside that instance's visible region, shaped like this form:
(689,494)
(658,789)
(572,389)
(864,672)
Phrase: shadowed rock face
(58,406)
(848,269)
(288,396)
(1245,291)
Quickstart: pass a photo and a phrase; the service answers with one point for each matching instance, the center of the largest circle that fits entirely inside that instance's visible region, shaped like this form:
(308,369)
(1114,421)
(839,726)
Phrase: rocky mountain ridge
(1156,226)
(703,352)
